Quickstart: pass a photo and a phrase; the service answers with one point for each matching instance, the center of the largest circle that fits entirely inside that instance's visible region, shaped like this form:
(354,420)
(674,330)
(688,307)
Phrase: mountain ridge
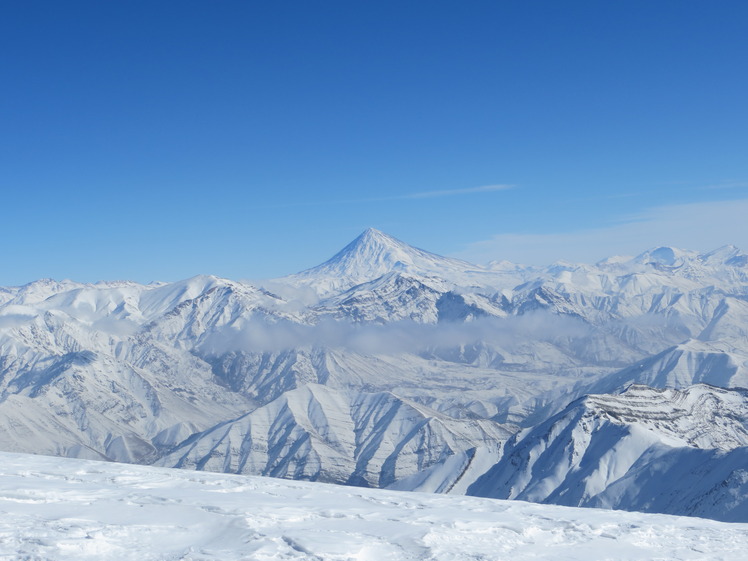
(130,372)
(602,448)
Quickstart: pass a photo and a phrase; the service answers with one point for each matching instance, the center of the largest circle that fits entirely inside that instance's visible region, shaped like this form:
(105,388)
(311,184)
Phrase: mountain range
(611,385)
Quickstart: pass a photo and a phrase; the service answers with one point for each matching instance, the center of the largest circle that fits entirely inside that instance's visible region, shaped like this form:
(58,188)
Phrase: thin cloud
(727,185)
(698,226)
(395,337)
(453,192)
(407,196)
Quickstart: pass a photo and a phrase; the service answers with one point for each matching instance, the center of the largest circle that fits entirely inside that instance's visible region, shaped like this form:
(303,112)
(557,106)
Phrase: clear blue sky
(158,140)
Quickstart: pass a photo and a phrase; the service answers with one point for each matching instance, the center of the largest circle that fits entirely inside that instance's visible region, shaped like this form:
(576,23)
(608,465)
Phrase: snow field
(63,509)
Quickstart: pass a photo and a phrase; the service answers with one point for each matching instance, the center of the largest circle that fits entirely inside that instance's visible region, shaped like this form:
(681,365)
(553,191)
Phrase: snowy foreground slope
(65,509)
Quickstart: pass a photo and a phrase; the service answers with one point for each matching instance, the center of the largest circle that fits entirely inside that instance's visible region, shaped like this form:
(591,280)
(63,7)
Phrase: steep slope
(60,397)
(394,296)
(668,451)
(318,434)
(729,322)
(691,362)
(83,376)
(453,475)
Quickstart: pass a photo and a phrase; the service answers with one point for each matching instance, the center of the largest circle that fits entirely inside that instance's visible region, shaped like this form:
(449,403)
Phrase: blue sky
(159,140)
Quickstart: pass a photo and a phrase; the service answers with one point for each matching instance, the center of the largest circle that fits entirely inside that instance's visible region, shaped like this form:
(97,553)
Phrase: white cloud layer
(396,337)
(697,226)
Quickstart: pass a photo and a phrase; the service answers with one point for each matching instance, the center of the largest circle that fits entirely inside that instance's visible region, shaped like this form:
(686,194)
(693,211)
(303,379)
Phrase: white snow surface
(64,509)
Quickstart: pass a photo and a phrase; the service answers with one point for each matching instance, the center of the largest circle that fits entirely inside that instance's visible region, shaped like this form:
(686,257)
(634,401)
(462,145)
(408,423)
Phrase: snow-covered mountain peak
(39,290)
(379,247)
(672,257)
(665,256)
(373,236)
(502,265)
(374,252)
(726,255)
(371,255)
(615,260)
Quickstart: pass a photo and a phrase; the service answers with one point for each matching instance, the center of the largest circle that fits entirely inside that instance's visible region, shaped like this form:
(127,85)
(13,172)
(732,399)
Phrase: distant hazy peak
(727,254)
(665,255)
(674,257)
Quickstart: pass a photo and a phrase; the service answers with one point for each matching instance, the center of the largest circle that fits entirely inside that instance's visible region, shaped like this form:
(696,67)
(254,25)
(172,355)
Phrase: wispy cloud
(699,226)
(453,192)
(396,337)
(727,185)
(403,197)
